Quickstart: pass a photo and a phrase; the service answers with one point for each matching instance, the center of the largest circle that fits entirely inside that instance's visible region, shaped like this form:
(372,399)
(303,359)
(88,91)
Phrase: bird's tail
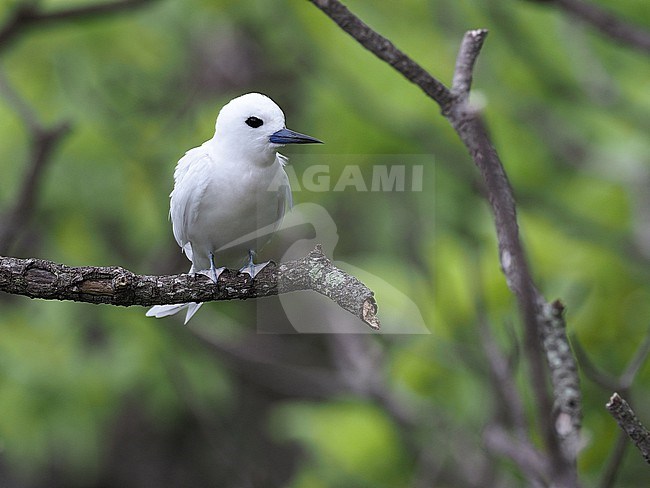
(160,311)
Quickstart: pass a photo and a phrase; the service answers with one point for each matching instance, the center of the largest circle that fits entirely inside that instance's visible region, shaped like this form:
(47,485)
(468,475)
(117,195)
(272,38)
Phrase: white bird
(230,194)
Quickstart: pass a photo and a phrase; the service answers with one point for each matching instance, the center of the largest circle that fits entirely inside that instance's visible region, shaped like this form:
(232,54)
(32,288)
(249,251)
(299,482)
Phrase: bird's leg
(251,265)
(251,268)
(216,272)
(213,273)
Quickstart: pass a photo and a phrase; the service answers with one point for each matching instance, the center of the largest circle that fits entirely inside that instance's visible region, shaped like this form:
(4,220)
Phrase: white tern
(230,194)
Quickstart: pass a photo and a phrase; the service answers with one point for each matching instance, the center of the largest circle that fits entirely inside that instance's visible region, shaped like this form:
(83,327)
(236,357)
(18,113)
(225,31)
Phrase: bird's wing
(186,195)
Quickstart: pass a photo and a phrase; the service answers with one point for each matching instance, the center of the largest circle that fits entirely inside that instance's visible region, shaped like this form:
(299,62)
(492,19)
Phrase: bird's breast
(238,208)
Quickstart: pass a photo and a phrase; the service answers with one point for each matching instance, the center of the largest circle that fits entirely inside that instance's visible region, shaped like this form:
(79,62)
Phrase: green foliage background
(102,396)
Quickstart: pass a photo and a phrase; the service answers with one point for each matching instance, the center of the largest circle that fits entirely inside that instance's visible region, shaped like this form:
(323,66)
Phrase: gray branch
(470,48)
(529,460)
(28,15)
(606,22)
(624,415)
(385,50)
(38,278)
(622,384)
(44,141)
(564,377)
(471,129)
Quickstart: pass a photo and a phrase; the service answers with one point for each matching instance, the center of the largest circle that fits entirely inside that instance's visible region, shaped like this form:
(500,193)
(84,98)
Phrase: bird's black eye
(254,122)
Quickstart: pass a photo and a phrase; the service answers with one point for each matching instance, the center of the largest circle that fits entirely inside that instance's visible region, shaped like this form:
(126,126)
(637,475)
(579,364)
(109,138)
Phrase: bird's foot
(212,273)
(252,269)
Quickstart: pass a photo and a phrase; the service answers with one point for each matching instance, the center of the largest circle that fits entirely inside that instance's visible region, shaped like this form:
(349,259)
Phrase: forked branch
(544,333)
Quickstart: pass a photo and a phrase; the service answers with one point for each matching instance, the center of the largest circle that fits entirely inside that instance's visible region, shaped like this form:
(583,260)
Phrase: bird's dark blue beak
(287,136)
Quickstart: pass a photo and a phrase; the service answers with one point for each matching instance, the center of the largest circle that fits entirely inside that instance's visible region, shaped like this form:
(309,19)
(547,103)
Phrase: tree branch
(614,461)
(28,15)
(38,278)
(504,381)
(470,48)
(564,377)
(530,461)
(43,142)
(608,23)
(622,384)
(470,127)
(385,50)
(624,415)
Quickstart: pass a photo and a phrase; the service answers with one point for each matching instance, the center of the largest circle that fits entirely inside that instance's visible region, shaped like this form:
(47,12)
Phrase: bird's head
(253,126)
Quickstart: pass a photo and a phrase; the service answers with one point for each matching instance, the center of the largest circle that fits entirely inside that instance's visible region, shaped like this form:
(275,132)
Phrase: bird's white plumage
(230,193)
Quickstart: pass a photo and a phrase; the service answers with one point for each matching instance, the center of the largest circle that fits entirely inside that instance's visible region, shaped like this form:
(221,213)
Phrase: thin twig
(257,364)
(624,415)
(28,15)
(510,408)
(608,24)
(615,458)
(43,142)
(470,48)
(633,367)
(622,384)
(385,50)
(591,371)
(607,381)
(22,108)
(529,460)
(504,380)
